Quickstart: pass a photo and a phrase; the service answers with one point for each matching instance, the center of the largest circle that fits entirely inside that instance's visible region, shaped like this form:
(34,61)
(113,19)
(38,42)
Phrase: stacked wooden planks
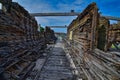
(20,42)
(114,34)
(83,28)
(49,35)
(84,45)
(115,31)
(95,65)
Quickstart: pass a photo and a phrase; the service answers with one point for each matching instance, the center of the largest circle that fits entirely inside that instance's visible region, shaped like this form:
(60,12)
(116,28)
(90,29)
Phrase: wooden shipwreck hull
(83,29)
(87,39)
(20,42)
(49,36)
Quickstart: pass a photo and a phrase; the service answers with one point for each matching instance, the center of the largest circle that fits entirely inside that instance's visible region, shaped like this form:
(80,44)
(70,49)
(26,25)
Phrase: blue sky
(106,7)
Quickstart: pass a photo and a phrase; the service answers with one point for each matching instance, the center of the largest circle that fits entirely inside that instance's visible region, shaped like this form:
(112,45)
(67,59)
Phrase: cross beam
(68,14)
(112,18)
(57,26)
(55,14)
(60,33)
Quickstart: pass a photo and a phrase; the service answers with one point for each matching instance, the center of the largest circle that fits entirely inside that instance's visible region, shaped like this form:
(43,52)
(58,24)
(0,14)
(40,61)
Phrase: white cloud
(14,0)
(54,21)
(76,6)
(43,6)
(0,6)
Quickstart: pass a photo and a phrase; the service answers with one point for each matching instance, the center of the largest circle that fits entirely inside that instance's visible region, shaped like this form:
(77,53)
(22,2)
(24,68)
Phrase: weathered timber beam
(54,14)
(112,18)
(57,26)
(60,33)
(69,14)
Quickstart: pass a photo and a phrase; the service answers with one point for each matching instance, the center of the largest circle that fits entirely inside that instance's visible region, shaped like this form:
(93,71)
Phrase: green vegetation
(41,29)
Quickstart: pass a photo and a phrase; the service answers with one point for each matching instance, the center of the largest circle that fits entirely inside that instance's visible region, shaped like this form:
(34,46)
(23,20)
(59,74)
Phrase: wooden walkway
(56,67)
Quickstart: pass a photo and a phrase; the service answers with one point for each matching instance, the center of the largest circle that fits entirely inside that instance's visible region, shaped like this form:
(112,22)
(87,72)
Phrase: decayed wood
(84,26)
(49,35)
(95,63)
(113,34)
(20,42)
